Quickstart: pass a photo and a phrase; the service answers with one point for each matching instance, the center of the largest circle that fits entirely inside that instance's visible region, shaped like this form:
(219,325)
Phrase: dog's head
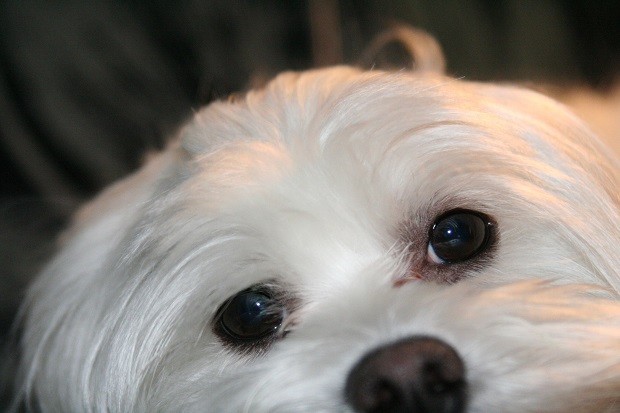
(344,241)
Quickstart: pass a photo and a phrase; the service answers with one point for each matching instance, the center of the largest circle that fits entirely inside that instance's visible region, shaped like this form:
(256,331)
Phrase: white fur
(311,182)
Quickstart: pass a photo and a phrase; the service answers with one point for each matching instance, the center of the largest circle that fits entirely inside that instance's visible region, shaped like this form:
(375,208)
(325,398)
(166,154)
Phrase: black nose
(414,375)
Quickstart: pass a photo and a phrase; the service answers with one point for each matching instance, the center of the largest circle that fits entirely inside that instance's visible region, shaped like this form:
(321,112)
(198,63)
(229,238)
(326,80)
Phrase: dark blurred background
(86,87)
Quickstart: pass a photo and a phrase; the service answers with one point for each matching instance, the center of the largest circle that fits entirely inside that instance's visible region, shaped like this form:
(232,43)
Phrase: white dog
(343,241)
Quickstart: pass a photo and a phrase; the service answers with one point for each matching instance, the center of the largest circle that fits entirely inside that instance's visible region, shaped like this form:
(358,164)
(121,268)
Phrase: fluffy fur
(326,183)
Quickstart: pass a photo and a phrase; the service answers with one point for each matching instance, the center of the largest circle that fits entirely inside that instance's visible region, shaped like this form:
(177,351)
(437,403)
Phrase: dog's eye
(250,316)
(458,235)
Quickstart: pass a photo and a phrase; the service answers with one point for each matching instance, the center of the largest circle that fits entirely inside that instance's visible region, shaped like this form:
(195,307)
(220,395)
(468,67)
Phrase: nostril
(414,375)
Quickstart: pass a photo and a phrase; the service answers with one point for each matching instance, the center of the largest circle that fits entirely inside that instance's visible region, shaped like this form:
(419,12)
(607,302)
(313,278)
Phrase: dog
(343,240)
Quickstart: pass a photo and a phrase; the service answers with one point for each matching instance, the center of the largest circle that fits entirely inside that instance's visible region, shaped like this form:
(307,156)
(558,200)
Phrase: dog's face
(344,241)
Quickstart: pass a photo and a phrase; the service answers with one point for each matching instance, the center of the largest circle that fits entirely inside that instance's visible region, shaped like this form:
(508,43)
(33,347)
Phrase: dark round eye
(250,315)
(458,236)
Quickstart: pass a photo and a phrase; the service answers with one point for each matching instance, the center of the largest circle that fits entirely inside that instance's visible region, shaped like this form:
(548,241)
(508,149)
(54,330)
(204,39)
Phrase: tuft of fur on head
(324,184)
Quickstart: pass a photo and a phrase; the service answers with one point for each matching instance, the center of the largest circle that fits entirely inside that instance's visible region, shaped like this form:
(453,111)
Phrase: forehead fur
(393,122)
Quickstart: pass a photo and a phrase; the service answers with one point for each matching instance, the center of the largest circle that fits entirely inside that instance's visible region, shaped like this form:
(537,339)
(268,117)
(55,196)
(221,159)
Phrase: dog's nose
(414,375)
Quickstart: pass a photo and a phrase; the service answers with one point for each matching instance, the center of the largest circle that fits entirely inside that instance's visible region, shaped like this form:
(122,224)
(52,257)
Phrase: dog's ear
(403,47)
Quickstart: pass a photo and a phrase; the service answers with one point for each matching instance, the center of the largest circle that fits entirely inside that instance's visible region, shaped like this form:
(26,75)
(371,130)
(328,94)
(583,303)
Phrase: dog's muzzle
(413,375)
